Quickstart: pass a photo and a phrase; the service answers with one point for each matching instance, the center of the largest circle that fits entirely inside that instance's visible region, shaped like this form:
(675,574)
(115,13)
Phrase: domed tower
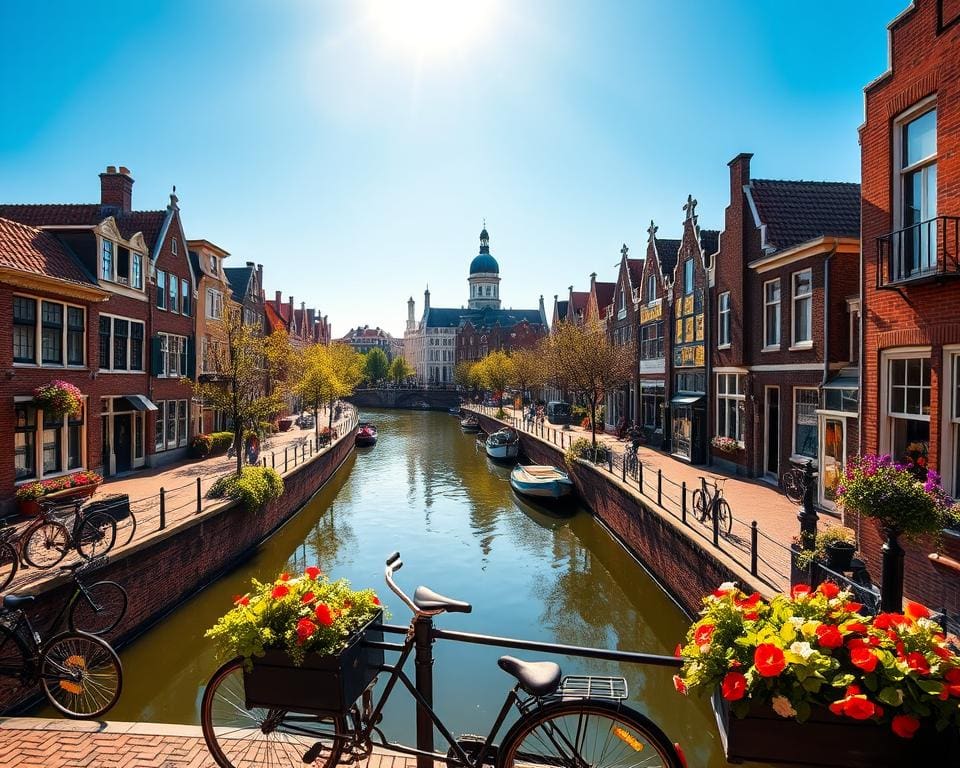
(484,277)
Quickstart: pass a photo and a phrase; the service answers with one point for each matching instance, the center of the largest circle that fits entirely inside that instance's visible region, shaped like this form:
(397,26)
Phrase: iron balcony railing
(923,252)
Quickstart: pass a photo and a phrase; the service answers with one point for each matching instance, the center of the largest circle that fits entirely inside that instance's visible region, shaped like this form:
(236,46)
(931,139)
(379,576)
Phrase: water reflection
(425,490)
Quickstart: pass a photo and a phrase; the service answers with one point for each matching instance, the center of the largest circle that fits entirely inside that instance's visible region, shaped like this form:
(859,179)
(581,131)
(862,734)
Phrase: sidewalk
(27,742)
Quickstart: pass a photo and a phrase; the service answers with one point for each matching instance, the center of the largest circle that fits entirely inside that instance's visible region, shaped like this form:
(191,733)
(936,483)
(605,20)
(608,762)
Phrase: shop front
(122,428)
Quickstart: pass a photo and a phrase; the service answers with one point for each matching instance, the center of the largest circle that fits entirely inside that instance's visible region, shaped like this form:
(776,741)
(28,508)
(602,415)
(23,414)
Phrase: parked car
(558,412)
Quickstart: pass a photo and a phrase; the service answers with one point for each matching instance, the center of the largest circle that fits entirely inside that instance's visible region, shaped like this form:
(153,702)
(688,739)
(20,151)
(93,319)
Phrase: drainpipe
(707,367)
(826,311)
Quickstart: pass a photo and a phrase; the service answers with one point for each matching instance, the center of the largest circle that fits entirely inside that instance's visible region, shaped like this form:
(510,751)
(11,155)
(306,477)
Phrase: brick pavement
(41,743)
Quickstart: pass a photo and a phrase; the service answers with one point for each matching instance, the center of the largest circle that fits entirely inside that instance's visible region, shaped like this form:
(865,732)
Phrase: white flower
(797,621)
(783,707)
(728,586)
(803,650)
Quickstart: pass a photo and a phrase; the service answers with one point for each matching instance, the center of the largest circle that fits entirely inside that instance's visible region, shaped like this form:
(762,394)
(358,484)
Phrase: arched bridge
(409,398)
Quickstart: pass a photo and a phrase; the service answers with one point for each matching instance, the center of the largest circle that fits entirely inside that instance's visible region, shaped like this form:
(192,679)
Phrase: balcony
(921,253)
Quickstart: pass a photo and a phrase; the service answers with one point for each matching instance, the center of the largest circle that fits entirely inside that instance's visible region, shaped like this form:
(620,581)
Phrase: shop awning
(686,399)
(140,403)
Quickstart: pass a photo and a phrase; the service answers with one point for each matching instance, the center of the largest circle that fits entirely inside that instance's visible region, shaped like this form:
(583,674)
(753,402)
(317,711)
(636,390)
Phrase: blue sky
(354,150)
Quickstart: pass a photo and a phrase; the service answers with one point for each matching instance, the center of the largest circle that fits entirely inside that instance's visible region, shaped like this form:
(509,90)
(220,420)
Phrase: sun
(430,28)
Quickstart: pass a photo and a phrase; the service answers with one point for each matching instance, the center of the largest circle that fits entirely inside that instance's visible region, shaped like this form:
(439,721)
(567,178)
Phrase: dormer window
(213,264)
(120,265)
(106,260)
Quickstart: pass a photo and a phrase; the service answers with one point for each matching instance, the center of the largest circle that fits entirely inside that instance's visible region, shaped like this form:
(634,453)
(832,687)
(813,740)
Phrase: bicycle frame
(29,667)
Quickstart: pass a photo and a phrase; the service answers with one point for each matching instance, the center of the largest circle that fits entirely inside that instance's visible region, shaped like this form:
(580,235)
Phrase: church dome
(484,262)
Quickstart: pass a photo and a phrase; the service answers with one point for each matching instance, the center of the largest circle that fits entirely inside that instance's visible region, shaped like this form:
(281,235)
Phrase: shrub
(833,535)
(582,448)
(220,442)
(255,487)
(200,446)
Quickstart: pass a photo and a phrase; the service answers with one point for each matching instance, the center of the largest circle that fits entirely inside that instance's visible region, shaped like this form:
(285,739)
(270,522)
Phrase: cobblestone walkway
(41,743)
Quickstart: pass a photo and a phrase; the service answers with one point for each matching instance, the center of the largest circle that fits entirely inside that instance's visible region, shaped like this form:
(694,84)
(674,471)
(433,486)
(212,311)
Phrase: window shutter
(156,357)
(191,357)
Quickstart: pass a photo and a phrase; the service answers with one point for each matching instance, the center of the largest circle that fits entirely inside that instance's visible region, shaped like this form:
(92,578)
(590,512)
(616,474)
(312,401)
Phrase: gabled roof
(274,321)
(32,251)
(579,299)
(239,279)
(561,309)
(709,241)
(667,250)
(87,215)
(635,268)
(796,212)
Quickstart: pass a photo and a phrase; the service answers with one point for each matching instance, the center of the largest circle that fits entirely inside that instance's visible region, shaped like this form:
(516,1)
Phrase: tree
(399,370)
(241,385)
(328,373)
(376,365)
(585,360)
(496,371)
(466,374)
(528,369)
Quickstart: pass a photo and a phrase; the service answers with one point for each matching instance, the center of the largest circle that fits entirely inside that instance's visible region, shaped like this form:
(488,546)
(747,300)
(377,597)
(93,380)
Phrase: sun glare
(431,28)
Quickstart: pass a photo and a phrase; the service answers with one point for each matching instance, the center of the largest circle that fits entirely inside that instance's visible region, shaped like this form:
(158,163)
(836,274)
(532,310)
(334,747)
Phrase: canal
(425,490)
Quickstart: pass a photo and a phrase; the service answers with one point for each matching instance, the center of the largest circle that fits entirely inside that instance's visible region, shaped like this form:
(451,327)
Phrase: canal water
(426,491)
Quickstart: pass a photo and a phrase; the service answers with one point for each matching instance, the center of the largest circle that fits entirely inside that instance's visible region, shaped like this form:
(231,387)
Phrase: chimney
(116,190)
(292,323)
(277,301)
(260,280)
(739,174)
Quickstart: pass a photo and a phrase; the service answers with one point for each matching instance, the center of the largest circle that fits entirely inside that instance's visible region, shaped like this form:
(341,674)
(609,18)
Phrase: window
(138,271)
(651,290)
(106,259)
(76,336)
(688,277)
(730,406)
(60,328)
(44,446)
(24,329)
(805,404)
(174,292)
(173,355)
(173,245)
(121,344)
(652,403)
(161,289)
(908,406)
(723,325)
(803,307)
(214,304)
(51,340)
(622,312)
(184,297)
(917,166)
(651,341)
(771,314)
(213,264)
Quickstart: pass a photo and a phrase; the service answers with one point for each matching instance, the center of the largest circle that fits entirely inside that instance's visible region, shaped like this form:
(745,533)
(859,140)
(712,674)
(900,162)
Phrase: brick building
(364,338)
(621,327)
(784,324)
(910,144)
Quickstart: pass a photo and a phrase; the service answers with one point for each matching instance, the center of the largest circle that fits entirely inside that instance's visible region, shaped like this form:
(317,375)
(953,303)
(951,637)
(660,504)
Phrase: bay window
(730,406)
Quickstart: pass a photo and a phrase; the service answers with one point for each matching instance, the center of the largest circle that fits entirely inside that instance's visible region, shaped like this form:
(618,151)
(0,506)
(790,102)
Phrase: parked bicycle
(79,673)
(707,504)
(632,459)
(794,484)
(563,722)
(47,540)
(96,608)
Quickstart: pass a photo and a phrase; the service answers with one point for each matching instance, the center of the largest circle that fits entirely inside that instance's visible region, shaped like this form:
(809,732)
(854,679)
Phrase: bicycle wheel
(251,737)
(701,509)
(791,488)
(46,545)
(81,674)
(126,528)
(588,732)
(98,608)
(96,535)
(9,562)
(724,516)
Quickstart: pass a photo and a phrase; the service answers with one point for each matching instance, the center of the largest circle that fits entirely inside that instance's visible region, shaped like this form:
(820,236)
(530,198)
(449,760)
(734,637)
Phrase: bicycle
(793,483)
(706,504)
(632,458)
(564,722)
(79,673)
(93,608)
(46,541)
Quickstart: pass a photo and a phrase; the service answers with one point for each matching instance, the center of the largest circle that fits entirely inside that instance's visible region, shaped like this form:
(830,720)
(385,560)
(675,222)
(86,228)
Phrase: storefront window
(805,404)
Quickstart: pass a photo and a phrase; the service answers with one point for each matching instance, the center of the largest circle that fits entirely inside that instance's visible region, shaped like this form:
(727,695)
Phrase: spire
(484,239)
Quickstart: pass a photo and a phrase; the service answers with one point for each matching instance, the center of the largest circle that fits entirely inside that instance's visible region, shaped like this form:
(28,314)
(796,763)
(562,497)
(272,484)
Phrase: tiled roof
(605,293)
(33,251)
(239,279)
(86,215)
(795,212)
(667,250)
(709,241)
(579,299)
(274,321)
(635,268)
(562,309)
(439,317)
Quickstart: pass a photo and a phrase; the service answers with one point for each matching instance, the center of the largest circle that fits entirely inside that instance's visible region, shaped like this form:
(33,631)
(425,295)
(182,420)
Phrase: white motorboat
(541,481)
(503,444)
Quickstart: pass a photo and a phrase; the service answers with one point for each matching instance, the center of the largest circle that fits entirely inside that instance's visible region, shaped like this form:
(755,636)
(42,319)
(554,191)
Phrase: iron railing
(921,253)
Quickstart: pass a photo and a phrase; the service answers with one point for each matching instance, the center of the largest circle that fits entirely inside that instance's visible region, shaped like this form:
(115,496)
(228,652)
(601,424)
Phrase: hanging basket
(323,683)
(58,399)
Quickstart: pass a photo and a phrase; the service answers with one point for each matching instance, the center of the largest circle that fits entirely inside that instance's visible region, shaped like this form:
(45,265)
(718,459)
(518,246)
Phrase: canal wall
(686,570)
(161,571)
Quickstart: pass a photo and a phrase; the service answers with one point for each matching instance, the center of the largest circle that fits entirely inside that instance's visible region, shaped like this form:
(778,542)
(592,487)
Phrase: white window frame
(64,443)
(738,396)
(795,298)
(161,297)
(134,267)
(622,311)
(693,277)
(173,344)
(162,440)
(651,290)
(144,344)
(723,320)
(38,334)
(886,417)
(794,423)
(950,420)
(769,345)
(914,112)
(217,297)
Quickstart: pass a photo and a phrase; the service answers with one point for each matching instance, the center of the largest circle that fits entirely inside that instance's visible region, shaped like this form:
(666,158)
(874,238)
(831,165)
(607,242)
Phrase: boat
(470,424)
(541,481)
(420,405)
(366,434)
(455,411)
(503,444)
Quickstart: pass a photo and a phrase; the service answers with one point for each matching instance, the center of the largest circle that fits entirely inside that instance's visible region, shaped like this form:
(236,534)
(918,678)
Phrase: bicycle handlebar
(394,564)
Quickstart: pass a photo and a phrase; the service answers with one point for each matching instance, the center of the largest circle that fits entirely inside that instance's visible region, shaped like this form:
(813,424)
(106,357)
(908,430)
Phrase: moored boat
(470,424)
(503,444)
(366,434)
(541,481)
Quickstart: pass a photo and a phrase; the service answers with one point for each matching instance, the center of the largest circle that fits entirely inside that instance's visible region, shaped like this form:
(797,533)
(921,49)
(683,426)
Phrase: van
(558,412)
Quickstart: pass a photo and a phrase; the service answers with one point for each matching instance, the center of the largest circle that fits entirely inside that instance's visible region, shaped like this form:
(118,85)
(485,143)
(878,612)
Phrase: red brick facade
(910,288)
(621,407)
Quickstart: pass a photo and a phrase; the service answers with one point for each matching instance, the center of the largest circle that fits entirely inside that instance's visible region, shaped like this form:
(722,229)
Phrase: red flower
(888,620)
(305,628)
(769,660)
(721,592)
(284,576)
(855,626)
(829,636)
(678,650)
(953,683)
(862,656)
(748,602)
(703,634)
(918,661)
(312,572)
(856,705)
(917,611)
(307,598)
(943,653)
(905,726)
(828,589)
(800,591)
(324,616)
(241,600)
(376,600)
(679,684)
(734,686)
(281,590)
(852,607)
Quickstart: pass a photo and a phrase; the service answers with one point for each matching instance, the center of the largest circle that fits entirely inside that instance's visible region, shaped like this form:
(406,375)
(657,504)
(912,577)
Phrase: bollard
(753,547)
(199,498)
(311,447)
(716,518)
(640,477)
(659,487)
(284,459)
(273,460)
(163,508)
(623,466)
(683,501)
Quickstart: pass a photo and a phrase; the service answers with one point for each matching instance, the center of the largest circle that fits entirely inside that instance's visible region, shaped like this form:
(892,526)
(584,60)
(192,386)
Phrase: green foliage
(581,448)
(220,442)
(399,370)
(200,446)
(298,615)
(254,487)
(835,534)
(376,366)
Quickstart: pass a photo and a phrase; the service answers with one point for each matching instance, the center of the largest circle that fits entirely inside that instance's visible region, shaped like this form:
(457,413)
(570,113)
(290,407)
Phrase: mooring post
(284,459)
(163,508)
(423,663)
(659,487)
(683,501)
(640,478)
(199,498)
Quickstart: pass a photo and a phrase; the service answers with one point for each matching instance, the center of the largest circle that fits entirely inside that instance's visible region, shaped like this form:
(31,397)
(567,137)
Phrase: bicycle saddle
(17,601)
(538,678)
(428,600)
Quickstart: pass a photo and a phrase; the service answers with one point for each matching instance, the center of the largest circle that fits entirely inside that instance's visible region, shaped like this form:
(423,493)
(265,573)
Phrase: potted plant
(833,546)
(65,488)
(28,498)
(302,638)
(58,399)
(725,444)
(881,690)
(889,492)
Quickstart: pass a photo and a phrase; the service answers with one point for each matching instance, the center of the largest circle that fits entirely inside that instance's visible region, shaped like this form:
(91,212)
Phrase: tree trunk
(593,424)
(238,445)
(316,423)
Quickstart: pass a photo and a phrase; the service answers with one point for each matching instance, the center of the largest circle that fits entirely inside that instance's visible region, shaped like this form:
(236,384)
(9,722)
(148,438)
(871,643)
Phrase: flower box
(323,683)
(825,740)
